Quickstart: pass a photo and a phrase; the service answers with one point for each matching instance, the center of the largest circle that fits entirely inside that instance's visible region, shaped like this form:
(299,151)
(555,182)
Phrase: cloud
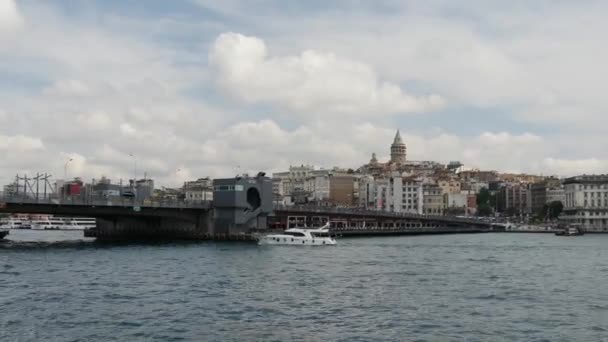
(127,130)
(67,88)
(521,87)
(311,82)
(10,17)
(20,143)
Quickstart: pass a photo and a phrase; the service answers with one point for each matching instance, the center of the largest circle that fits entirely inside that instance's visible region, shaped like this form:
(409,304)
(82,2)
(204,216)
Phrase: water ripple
(491,287)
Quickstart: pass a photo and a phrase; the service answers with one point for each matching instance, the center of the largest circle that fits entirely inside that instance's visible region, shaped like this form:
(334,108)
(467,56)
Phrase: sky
(191,88)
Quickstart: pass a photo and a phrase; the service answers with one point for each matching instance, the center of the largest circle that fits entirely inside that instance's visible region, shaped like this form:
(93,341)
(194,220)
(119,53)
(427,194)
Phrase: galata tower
(398,150)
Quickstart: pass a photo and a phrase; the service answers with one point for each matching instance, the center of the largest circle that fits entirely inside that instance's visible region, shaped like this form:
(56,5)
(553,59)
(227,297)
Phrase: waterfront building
(432,199)
(412,195)
(393,193)
(144,188)
(513,199)
(556,195)
(198,190)
(341,190)
(73,188)
(104,188)
(304,184)
(586,202)
(545,192)
(455,203)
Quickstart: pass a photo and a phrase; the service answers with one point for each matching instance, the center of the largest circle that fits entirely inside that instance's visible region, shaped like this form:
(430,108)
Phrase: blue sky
(202,86)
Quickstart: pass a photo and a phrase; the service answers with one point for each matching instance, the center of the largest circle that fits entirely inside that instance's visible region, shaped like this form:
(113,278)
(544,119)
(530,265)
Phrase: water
(485,287)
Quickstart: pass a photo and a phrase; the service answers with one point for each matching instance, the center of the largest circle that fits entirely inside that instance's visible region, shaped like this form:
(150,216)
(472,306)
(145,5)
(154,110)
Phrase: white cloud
(311,82)
(68,88)
(575,167)
(127,130)
(313,89)
(10,18)
(20,143)
(94,121)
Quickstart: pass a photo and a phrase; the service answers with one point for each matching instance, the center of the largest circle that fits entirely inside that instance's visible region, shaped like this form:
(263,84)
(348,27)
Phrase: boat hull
(286,240)
(3,234)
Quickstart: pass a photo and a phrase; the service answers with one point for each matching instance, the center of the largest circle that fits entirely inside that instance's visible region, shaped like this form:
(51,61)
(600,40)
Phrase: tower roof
(398,140)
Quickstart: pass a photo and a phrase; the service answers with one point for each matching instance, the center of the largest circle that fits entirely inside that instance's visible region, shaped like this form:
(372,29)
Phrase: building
(198,190)
(432,200)
(586,202)
(450,186)
(513,199)
(538,197)
(144,188)
(304,184)
(455,204)
(545,192)
(412,195)
(341,190)
(105,189)
(556,195)
(477,175)
(295,186)
(72,188)
(14,189)
(393,193)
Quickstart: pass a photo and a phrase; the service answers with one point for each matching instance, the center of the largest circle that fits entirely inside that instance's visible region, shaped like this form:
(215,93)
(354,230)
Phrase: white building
(392,193)
(433,199)
(304,184)
(198,190)
(586,202)
(412,196)
(556,195)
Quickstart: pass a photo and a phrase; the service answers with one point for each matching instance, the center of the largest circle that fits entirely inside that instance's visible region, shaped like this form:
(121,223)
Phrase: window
(294,233)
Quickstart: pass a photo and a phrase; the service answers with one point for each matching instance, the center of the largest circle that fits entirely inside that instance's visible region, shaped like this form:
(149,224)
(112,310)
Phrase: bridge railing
(113,201)
(370,212)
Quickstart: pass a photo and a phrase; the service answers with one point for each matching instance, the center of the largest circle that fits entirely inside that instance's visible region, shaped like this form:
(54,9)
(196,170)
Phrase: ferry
(300,237)
(63,223)
(14,223)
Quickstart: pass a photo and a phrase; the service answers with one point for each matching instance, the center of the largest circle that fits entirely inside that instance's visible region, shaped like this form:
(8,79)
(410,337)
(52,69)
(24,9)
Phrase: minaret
(398,150)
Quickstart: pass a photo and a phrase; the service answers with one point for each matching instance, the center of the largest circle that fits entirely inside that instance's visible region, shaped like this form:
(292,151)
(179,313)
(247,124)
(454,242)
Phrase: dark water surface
(485,287)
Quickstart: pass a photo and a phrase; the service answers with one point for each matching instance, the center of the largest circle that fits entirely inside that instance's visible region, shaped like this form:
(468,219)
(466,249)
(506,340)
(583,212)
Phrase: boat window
(294,233)
(320,234)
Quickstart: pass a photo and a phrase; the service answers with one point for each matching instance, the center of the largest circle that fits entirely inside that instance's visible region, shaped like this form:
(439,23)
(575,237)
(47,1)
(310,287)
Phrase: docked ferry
(63,223)
(14,223)
(300,237)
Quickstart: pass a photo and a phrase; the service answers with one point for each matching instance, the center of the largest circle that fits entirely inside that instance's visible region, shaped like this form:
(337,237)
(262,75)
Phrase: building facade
(198,190)
(586,202)
(432,200)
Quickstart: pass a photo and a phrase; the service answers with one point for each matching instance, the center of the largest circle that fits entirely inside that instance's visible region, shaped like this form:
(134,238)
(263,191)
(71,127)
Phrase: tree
(555,209)
(483,197)
(484,210)
(486,202)
(551,211)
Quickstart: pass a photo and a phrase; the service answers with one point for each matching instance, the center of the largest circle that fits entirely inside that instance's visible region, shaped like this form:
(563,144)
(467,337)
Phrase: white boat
(300,237)
(14,223)
(64,223)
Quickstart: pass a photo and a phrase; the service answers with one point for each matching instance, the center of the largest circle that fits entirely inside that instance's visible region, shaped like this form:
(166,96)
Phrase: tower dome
(398,150)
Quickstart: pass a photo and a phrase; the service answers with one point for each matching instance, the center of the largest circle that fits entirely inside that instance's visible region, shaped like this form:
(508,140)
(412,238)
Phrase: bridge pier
(124,227)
